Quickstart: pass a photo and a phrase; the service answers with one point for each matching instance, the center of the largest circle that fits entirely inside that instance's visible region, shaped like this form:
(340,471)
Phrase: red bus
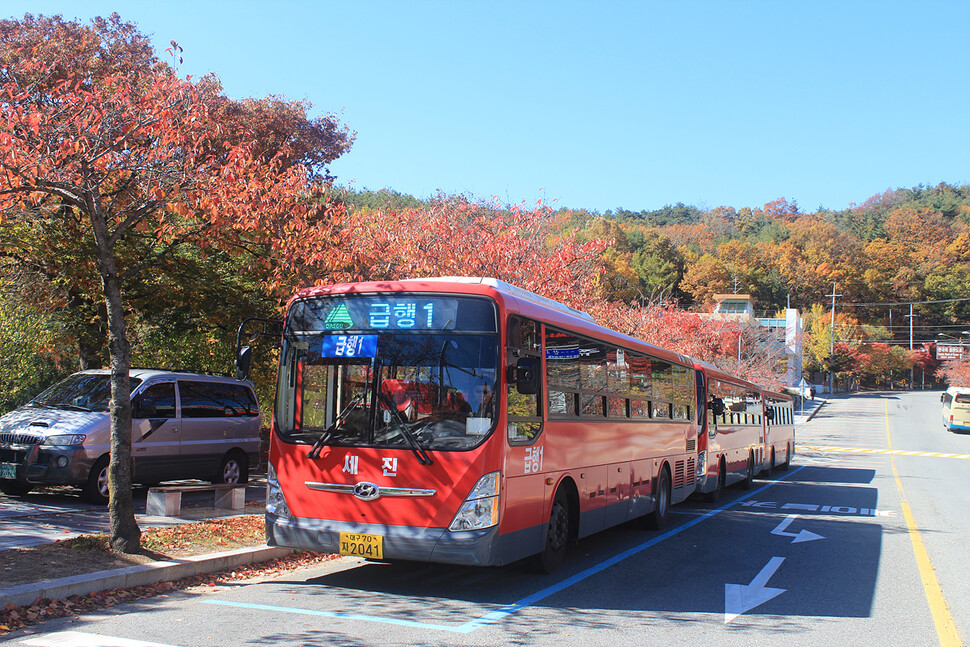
(745,430)
(464,420)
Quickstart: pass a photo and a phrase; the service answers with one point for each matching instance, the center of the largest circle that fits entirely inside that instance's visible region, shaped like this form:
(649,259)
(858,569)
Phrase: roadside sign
(950,351)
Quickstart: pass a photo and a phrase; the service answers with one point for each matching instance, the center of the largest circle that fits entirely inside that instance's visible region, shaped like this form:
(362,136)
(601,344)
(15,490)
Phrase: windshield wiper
(416,447)
(70,407)
(328,432)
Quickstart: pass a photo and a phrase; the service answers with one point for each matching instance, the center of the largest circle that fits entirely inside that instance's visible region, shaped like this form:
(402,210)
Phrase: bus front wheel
(715,495)
(557,535)
(748,481)
(661,509)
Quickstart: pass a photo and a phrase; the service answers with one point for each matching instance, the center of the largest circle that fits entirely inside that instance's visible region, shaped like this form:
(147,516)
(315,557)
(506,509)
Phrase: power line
(901,303)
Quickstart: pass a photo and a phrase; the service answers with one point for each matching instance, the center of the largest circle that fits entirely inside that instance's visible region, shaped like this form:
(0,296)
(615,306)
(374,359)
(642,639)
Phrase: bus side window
(524,404)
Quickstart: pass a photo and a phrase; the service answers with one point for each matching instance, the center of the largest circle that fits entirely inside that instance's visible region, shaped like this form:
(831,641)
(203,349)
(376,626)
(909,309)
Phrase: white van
(184,425)
(956,408)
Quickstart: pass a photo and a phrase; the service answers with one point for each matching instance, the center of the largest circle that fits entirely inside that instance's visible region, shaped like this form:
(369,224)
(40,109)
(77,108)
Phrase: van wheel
(13,488)
(557,536)
(96,488)
(233,469)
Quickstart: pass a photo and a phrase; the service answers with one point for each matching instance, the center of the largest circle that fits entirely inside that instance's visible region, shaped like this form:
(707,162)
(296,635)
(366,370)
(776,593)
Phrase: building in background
(783,332)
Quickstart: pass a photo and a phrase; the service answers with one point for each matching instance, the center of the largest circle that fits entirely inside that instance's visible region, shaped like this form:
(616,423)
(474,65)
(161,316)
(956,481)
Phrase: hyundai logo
(367,491)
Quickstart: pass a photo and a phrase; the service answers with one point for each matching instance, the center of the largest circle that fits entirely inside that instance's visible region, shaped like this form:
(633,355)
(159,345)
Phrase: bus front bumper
(474,548)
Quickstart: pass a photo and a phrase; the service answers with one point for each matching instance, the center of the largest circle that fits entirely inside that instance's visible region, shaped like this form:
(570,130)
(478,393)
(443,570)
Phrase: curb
(153,573)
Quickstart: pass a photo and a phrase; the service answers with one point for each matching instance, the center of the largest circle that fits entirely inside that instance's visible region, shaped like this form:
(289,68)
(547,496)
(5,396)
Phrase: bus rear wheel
(557,536)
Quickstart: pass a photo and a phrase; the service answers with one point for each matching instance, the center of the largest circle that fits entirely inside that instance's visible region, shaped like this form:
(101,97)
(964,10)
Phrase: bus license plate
(359,545)
(8,471)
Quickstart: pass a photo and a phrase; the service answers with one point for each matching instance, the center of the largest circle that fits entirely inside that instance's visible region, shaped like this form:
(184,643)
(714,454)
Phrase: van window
(215,400)
(160,396)
(84,391)
(963,398)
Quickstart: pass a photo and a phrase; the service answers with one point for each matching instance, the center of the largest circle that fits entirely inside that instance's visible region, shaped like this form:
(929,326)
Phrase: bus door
(527,491)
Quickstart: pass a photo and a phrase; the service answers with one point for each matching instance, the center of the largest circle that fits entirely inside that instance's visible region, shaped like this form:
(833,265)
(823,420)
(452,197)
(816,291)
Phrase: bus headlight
(480,508)
(701,464)
(275,501)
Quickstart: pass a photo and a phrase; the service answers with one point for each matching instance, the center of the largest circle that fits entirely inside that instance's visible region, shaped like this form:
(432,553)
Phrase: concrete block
(232,499)
(163,504)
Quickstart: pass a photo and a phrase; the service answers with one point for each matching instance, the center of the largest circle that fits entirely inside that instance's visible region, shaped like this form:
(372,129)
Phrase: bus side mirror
(717,406)
(244,360)
(941,397)
(525,375)
(769,414)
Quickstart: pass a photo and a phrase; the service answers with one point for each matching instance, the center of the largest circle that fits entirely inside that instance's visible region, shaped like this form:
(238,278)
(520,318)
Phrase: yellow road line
(869,450)
(946,629)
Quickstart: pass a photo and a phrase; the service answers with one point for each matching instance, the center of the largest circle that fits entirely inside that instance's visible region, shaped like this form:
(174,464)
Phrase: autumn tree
(56,256)
(456,235)
(121,156)
(955,372)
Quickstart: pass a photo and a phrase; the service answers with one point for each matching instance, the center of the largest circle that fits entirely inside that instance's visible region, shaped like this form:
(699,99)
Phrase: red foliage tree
(129,151)
(454,237)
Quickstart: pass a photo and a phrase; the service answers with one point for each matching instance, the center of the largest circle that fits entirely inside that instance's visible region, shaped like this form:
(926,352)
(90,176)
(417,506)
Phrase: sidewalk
(153,573)
(25,523)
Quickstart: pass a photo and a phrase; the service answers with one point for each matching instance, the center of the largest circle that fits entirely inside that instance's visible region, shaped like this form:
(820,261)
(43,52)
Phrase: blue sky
(601,105)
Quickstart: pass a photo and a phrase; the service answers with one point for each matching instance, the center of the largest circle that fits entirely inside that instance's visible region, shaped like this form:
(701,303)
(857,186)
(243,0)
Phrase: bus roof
(712,371)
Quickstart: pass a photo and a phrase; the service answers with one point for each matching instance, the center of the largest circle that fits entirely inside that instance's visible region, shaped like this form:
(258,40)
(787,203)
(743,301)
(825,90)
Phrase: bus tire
(657,519)
(771,464)
(557,535)
(715,495)
(787,462)
(748,481)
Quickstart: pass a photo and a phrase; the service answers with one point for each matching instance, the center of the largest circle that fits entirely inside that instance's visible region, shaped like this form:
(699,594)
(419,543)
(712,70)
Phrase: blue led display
(348,346)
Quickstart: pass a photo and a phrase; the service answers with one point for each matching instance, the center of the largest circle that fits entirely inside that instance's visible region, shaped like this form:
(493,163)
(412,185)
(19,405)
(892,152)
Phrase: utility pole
(911,344)
(832,344)
(910,315)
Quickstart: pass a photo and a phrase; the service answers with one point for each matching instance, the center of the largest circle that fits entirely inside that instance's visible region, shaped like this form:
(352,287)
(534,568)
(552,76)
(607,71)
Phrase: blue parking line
(337,614)
(497,615)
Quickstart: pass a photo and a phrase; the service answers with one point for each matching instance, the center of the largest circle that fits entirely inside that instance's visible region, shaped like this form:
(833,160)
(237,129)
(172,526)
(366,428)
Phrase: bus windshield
(430,389)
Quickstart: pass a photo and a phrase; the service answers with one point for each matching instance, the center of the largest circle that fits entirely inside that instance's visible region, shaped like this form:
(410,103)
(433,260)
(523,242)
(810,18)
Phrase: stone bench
(166,500)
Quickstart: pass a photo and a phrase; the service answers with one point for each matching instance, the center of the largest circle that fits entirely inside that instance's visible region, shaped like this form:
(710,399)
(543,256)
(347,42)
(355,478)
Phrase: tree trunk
(125,533)
(87,324)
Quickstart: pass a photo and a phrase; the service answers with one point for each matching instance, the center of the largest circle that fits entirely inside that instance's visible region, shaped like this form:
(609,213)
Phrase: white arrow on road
(801,535)
(740,598)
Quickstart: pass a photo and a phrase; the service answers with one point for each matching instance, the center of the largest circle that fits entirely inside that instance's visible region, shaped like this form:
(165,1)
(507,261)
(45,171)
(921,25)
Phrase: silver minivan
(184,425)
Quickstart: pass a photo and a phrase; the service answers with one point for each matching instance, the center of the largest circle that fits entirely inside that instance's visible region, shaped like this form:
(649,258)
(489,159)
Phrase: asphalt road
(852,546)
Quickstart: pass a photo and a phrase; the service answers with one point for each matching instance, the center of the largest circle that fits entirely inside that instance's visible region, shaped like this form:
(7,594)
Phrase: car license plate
(359,545)
(8,471)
